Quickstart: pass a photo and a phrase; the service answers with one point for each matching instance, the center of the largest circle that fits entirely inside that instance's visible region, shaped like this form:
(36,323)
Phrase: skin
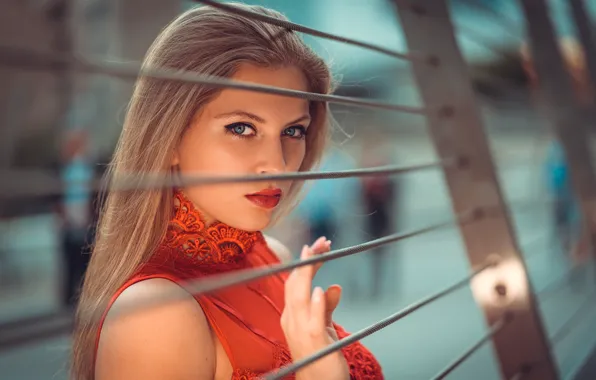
(175,341)
(245,133)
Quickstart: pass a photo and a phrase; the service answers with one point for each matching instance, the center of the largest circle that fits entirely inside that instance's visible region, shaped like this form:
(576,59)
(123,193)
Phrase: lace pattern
(217,246)
(363,365)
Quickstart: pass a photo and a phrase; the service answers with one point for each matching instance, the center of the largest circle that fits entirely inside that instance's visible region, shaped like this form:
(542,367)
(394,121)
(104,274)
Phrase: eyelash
(230,129)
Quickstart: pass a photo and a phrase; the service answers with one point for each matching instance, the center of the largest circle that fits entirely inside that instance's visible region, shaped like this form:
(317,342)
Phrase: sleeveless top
(246,317)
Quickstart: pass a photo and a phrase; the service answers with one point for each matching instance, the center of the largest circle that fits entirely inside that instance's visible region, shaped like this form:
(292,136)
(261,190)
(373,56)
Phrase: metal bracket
(457,131)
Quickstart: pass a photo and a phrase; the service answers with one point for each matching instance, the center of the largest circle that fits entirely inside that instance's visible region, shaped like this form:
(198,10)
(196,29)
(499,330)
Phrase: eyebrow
(256,118)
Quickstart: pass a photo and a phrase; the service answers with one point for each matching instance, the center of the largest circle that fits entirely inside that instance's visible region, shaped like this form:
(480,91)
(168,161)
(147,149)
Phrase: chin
(254,220)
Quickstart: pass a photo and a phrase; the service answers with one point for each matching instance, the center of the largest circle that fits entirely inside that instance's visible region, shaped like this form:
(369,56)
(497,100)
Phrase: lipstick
(267,198)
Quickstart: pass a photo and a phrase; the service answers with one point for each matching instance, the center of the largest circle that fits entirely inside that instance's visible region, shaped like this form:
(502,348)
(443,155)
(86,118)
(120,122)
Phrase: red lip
(267,198)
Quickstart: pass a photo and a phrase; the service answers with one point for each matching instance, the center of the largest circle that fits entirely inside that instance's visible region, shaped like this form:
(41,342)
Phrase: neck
(180,197)
(206,243)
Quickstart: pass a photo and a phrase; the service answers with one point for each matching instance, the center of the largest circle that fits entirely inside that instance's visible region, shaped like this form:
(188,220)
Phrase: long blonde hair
(133,223)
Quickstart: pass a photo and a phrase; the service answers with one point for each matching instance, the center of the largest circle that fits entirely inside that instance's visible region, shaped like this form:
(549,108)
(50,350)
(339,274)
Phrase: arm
(172,342)
(281,251)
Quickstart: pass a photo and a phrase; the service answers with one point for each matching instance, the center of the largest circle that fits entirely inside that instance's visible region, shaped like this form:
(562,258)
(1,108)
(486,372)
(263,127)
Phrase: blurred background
(68,129)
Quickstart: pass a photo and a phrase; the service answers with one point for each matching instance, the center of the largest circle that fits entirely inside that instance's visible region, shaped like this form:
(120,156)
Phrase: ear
(175,158)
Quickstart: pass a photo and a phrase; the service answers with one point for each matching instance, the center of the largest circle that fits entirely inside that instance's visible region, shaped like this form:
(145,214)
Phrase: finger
(298,287)
(321,246)
(319,243)
(317,314)
(332,298)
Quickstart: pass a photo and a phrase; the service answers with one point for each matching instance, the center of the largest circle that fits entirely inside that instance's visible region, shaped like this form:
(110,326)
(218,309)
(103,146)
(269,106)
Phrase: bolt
(418,9)
(434,61)
(446,111)
(478,214)
(501,290)
(462,162)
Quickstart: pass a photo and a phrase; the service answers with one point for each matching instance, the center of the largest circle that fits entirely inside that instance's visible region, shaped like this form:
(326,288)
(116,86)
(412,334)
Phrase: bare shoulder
(171,341)
(281,251)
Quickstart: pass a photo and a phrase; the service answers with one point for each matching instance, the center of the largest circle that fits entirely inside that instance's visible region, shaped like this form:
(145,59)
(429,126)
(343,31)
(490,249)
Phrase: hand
(307,319)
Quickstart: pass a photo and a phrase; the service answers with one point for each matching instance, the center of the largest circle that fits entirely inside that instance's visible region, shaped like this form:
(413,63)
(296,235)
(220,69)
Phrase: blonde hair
(133,223)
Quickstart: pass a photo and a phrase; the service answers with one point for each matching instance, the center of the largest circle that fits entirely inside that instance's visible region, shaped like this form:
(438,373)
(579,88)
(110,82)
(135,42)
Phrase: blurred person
(569,228)
(151,242)
(76,212)
(319,207)
(564,208)
(378,197)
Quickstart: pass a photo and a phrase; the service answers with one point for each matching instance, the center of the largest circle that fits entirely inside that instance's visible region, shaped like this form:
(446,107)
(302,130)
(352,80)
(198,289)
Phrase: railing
(498,273)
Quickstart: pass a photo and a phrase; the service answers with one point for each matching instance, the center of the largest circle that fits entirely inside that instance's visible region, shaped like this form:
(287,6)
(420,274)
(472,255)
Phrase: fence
(498,273)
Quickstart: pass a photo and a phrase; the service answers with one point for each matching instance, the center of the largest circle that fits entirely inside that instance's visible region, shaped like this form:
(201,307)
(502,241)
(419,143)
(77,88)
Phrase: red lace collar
(206,246)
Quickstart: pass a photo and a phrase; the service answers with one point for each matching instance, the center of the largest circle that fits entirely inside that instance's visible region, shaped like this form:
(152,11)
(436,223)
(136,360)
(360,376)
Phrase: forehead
(290,78)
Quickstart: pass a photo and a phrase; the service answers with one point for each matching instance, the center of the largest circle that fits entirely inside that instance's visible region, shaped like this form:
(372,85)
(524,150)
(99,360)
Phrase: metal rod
(508,25)
(561,106)
(458,131)
(13,335)
(24,58)
(577,316)
(207,285)
(495,328)
(585,31)
(306,30)
(338,345)
(473,35)
(555,286)
(40,183)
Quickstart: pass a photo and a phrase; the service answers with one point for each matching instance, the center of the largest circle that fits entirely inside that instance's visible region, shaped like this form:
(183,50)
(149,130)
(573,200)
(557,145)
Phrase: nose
(271,158)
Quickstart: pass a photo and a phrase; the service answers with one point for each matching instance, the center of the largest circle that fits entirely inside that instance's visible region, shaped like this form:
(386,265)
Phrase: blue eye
(241,129)
(297,132)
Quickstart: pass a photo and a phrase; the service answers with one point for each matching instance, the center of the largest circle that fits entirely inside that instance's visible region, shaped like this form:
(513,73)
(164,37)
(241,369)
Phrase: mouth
(267,198)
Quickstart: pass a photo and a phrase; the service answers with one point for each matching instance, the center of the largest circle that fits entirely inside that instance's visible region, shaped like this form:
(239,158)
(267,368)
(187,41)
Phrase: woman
(151,242)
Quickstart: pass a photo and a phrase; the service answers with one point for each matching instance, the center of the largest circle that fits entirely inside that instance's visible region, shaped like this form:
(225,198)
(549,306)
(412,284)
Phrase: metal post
(456,129)
(587,39)
(61,12)
(561,105)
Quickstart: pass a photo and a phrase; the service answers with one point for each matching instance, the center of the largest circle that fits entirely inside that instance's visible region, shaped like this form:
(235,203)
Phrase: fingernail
(317,294)
(304,252)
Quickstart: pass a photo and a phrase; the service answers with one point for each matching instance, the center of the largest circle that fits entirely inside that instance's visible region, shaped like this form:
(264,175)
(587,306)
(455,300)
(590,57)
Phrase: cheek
(215,157)
(294,153)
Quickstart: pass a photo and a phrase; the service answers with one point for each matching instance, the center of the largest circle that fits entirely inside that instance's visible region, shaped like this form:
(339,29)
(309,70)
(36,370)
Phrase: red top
(245,318)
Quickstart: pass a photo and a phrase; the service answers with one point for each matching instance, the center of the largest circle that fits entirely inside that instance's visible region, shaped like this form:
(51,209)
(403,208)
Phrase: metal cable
(495,328)
(519,375)
(529,204)
(530,243)
(338,345)
(16,334)
(507,24)
(11,56)
(38,183)
(555,286)
(558,335)
(577,316)
(477,38)
(208,285)
(306,30)
(59,324)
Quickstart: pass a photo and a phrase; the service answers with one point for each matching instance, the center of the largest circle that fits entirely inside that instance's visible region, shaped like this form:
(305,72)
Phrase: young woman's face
(246,133)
